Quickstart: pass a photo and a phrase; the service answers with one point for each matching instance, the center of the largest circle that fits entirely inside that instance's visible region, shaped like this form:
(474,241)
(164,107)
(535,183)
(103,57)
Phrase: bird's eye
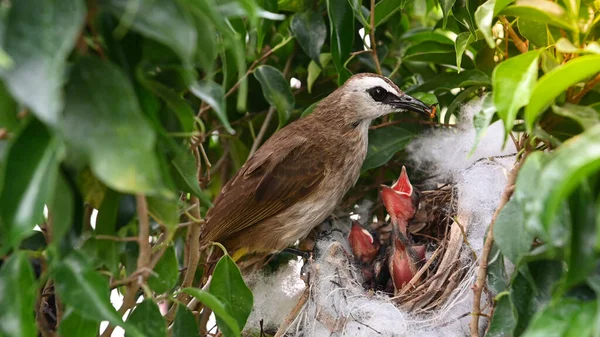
(378,93)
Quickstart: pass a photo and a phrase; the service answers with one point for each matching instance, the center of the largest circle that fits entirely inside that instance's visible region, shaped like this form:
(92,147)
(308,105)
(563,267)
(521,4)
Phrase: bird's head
(371,96)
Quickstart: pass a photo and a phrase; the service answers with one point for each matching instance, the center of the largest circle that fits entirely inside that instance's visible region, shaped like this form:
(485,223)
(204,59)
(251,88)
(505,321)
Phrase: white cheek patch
(367,82)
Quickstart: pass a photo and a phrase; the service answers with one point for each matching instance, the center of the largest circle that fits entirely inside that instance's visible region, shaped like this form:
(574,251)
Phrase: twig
(289,319)
(192,260)
(115,238)
(521,46)
(489,241)
(587,88)
(270,112)
(373,42)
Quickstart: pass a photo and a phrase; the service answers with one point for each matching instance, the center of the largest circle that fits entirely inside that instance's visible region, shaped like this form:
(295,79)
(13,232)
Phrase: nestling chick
(298,176)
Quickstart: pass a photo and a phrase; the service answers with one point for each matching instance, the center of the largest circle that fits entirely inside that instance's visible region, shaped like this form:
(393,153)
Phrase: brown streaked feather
(265,186)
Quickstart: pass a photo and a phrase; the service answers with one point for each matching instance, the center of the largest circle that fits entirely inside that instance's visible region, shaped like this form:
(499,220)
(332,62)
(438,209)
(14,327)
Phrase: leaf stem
(587,88)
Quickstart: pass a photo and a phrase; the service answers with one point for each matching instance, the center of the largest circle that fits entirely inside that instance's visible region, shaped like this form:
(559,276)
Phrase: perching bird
(299,175)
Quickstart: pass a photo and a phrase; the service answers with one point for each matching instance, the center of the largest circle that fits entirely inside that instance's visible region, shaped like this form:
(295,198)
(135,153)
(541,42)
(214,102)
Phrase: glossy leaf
(567,317)
(314,70)
(497,280)
(581,256)
(583,115)
(534,31)
(165,273)
(569,165)
(213,95)
(513,81)
(341,25)
(228,286)
(384,143)
(276,90)
(112,133)
(31,172)
(183,167)
(162,20)
(558,80)
(484,16)
(384,9)
(38,43)
(86,291)
(106,224)
(207,50)
(164,211)
(541,10)
(17,297)
(175,102)
(446,6)
(185,323)
(430,51)
(61,209)
(510,233)
(148,319)
(446,82)
(8,110)
(310,31)
(505,317)
(74,325)
(220,310)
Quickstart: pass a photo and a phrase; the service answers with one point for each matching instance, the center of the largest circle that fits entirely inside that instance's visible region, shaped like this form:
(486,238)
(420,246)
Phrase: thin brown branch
(522,46)
(115,238)
(587,88)
(487,248)
(373,41)
(192,259)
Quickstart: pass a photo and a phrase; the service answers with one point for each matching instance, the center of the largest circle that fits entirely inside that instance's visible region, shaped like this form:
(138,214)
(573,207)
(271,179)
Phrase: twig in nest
(289,319)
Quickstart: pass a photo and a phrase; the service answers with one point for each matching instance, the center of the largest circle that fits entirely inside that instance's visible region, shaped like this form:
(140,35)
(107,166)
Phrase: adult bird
(299,175)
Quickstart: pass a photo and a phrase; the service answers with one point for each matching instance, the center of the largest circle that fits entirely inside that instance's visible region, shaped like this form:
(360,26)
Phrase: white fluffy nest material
(335,303)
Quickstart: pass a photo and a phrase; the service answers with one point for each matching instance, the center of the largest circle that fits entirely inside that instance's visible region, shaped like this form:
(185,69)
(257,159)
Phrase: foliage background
(143,109)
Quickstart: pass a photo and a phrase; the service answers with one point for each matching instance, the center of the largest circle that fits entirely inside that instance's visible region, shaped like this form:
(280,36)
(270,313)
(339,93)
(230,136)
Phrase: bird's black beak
(406,102)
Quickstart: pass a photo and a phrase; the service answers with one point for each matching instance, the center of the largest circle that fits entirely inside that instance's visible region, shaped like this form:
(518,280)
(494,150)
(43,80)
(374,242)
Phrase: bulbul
(300,174)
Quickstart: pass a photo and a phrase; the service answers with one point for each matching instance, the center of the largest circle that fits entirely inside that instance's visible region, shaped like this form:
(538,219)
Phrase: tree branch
(487,247)
(587,88)
(523,47)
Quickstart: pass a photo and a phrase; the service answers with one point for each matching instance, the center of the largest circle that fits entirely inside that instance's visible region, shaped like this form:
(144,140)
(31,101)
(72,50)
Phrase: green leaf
(341,23)
(448,81)
(583,115)
(147,317)
(17,297)
(228,286)
(86,291)
(555,82)
(103,121)
(61,209)
(174,101)
(185,323)
(581,256)
(164,211)
(446,8)
(219,308)
(310,31)
(510,233)
(165,273)
(542,11)
(31,172)
(534,31)
(383,144)
(505,317)
(8,110)
(482,119)
(38,42)
(463,40)
(430,51)
(513,81)
(106,224)
(314,70)
(572,162)
(212,94)
(484,16)
(566,317)
(164,21)
(497,280)
(276,90)
(183,168)
(384,9)
(74,325)
(207,42)
(310,109)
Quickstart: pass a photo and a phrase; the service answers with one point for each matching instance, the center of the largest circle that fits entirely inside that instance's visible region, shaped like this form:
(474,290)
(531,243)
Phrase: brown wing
(266,185)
